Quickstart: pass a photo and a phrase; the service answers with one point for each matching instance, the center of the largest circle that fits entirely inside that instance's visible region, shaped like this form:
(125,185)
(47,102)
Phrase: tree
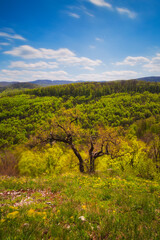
(66,128)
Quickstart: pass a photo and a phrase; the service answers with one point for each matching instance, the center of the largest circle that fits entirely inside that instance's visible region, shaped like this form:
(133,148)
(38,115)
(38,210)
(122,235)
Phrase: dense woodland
(104,124)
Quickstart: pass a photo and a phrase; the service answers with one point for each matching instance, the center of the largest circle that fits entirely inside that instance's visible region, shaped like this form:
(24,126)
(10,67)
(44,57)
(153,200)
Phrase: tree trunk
(91,170)
(91,164)
(81,164)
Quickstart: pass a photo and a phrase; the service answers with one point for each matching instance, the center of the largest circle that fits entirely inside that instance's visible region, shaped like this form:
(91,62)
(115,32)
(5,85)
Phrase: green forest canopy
(133,106)
(120,103)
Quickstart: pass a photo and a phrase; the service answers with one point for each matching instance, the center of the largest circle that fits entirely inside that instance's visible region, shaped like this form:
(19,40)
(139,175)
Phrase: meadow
(77,206)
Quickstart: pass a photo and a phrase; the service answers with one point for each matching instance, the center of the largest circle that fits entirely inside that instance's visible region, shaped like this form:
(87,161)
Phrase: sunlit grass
(79,207)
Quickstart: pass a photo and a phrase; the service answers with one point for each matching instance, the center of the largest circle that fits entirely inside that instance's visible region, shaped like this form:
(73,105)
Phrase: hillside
(80,161)
(113,104)
(4,86)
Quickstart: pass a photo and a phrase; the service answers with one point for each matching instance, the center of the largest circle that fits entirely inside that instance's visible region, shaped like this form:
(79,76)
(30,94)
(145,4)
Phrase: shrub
(9,163)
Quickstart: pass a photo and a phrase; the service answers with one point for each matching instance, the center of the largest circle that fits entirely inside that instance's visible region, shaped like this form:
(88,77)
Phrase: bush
(50,161)
(9,163)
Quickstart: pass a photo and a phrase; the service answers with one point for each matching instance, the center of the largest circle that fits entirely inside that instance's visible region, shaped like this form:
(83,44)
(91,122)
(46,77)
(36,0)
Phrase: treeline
(97,89)
(17,86)
(22,115)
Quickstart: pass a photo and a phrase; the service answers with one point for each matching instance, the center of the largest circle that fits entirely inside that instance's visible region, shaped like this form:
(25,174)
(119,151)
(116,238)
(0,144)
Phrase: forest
(120,120)
(108,132)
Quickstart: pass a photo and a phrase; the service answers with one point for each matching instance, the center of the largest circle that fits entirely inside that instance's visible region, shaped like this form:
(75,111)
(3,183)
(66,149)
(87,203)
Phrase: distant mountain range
(42,83)
(45,83)
(149,79)
(51,83)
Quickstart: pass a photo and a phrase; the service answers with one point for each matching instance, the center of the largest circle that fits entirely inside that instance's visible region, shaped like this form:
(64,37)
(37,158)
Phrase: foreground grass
(79,207)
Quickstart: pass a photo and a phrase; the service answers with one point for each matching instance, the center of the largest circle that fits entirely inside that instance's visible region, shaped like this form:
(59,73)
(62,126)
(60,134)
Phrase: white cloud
(89,68)
(37,65)
(154,64)
(29,75)
(74,15)
(25,51)
(82,61)
(101,3)
(26,75)
(148,64)
(4,44)
(132,61)
(28,52)
(56,54)
(125,11)
(11,36)
(108,76)
(99,39)
(63,55)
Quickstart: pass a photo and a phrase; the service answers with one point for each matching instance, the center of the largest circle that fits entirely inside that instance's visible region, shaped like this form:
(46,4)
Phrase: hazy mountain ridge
(150,79)
(45,83)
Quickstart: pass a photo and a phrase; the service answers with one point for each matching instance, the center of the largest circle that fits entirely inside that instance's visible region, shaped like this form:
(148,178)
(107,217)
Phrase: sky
(90,40)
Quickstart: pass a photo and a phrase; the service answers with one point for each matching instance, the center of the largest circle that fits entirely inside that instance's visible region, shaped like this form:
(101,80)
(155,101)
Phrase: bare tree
(104,141)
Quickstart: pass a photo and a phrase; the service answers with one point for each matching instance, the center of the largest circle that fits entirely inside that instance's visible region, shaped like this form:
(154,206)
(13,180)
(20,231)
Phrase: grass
(74,206)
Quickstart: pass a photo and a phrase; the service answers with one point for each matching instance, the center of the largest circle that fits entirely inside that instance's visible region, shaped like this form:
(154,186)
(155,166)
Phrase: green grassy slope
(79,207)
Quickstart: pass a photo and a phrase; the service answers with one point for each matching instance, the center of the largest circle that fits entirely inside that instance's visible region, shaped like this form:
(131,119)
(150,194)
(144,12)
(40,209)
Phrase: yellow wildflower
(84,207)
(13,214)
(42,214)
(12,207)
(31,213)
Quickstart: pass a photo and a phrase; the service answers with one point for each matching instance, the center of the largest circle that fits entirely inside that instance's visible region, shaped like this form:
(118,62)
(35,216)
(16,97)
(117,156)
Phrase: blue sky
(90,40)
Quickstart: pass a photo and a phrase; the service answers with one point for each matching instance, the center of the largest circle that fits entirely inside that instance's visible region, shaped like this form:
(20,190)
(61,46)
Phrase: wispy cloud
(4,44)
(86,11)
(125,11)
(101,3)
(82,9)
(151,64)
(11,36)
(154,64)
(99,39)
(37,65)
(107,76)
(74,15)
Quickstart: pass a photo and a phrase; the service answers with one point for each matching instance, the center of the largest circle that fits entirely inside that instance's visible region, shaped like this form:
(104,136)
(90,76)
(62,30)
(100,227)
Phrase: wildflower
(31,213)
(12,207)
(84,207)
(41,214)
(13,214)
